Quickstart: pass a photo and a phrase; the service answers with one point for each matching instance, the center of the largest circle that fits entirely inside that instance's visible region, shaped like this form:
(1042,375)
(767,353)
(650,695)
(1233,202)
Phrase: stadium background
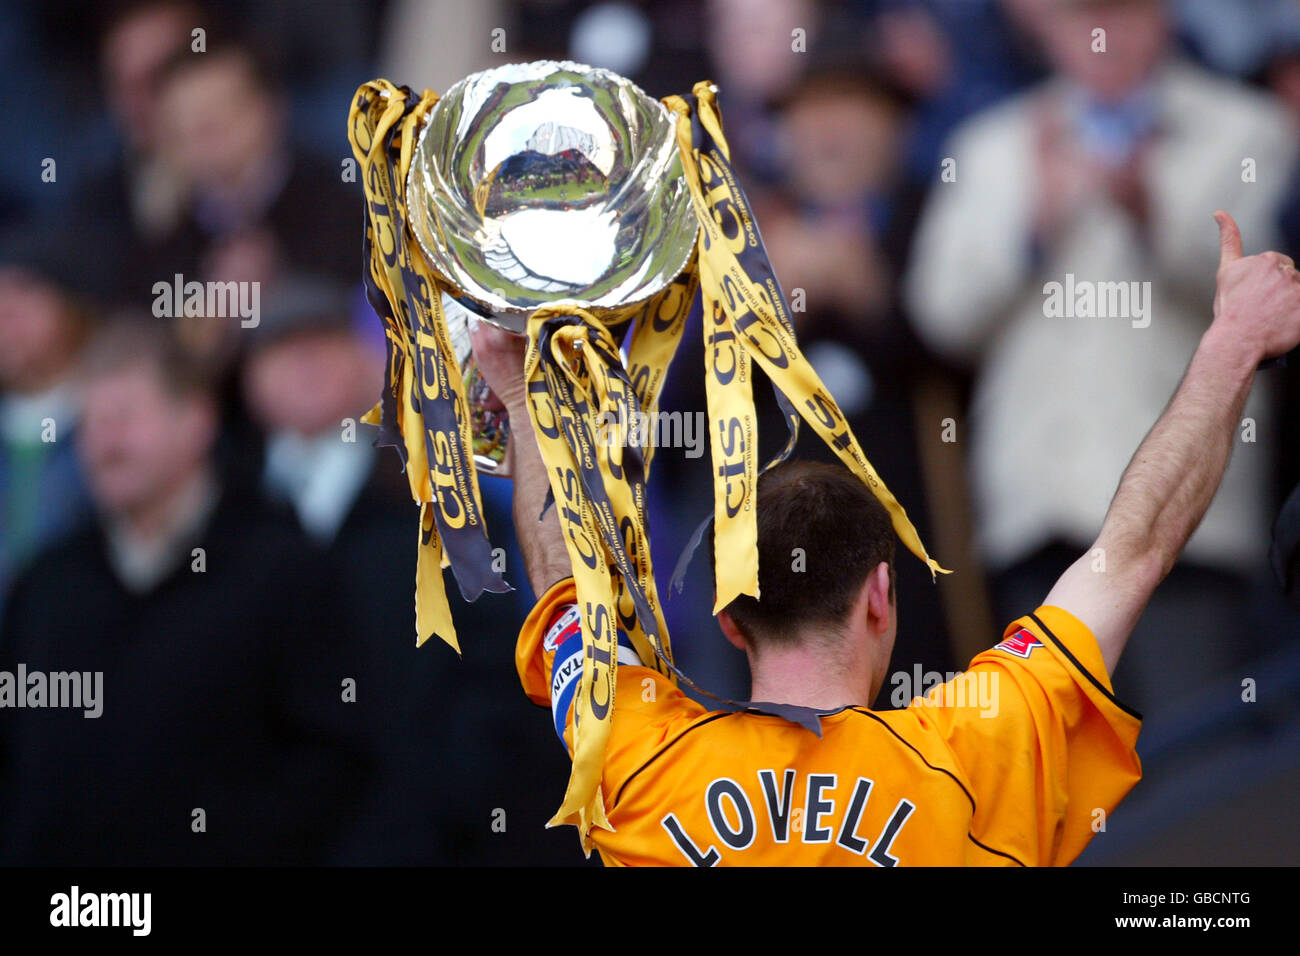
(130,159)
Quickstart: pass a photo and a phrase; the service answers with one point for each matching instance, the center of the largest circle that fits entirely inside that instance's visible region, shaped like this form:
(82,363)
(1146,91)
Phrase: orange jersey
(1017,761)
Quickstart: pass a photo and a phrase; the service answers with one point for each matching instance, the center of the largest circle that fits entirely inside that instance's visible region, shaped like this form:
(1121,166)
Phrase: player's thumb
(1229,238)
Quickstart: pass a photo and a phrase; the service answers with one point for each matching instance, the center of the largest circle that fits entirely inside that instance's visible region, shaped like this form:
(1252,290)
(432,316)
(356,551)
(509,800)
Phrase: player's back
(1016,761)
(755,789)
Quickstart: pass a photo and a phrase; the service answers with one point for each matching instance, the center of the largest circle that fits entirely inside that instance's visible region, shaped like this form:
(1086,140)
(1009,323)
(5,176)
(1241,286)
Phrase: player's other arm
(1171,480)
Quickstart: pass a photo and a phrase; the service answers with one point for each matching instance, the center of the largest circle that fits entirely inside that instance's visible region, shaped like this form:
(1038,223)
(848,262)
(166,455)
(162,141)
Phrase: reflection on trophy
(490,423)
(545,182)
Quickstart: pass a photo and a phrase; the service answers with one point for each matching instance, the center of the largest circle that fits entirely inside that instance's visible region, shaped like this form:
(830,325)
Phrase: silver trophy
(546,182)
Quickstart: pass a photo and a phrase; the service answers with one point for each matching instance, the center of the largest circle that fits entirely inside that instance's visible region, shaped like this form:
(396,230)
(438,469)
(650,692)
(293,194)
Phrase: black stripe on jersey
(660,752)
(1083,670)
(921,757)
(990,849)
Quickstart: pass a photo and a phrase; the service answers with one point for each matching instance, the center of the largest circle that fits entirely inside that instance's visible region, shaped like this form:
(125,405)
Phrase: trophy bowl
(536,183)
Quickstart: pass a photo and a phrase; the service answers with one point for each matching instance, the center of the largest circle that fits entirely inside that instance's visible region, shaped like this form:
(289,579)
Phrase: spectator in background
(223,735)
(139,198)
(1106,173)
(752,46)
(953,57)
(448,740)
(43,326)
(323,51)
(308,376)
(844,218)
(257,207)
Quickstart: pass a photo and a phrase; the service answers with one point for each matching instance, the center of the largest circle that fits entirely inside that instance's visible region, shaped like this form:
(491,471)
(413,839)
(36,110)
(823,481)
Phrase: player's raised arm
(1171,480)
(500,357)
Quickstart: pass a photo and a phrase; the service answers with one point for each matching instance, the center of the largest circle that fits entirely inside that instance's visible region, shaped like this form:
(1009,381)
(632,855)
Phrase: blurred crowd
(188,505)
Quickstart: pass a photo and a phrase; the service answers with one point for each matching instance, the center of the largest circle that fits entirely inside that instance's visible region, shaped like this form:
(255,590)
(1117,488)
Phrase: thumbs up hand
(1258,297)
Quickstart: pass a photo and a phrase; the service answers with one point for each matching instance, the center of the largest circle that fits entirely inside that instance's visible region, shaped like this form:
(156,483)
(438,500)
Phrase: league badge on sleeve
(1021,643)
(565,626)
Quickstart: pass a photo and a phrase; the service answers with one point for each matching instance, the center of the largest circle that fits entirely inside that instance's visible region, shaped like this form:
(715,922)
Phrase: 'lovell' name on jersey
(735,820)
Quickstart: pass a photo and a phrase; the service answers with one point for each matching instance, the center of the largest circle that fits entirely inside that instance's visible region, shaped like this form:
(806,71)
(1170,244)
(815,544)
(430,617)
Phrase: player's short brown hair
(821,532)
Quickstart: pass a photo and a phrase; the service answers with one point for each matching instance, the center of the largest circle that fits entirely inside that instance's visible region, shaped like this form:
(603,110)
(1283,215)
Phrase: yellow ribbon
(740,308)
(424,393)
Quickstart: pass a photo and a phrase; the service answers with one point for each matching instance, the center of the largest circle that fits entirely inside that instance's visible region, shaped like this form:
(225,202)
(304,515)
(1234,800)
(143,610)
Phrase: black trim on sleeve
(1083,670)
